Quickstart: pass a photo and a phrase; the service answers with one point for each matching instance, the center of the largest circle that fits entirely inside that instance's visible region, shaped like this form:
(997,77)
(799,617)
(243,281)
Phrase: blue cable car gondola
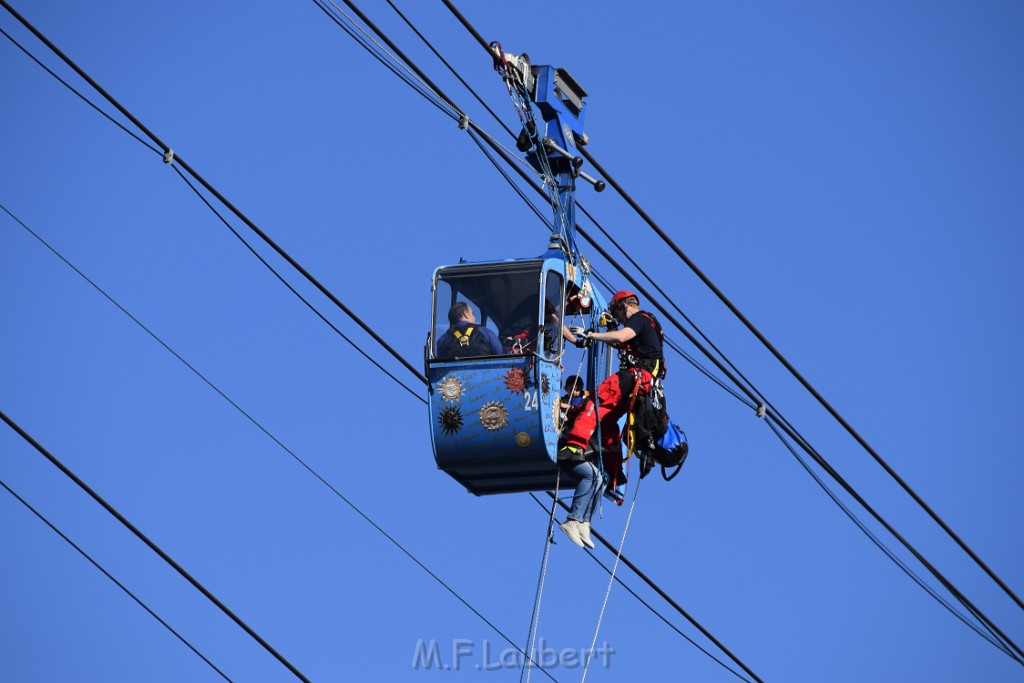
(494,417)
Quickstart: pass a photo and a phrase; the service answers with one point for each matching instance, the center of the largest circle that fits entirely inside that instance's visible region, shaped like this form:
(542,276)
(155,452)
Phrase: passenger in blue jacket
(465,338)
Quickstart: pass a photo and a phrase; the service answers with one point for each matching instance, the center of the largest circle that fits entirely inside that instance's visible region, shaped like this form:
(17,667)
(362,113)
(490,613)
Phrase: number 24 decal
(530,398)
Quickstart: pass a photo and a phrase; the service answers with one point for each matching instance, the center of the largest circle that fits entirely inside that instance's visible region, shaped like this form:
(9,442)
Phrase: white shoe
(585,534)
(572,529)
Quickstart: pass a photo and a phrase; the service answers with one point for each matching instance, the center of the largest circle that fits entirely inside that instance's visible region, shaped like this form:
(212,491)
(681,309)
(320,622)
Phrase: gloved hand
(583,338)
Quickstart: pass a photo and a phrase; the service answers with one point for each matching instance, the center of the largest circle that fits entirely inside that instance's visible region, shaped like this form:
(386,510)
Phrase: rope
(535,617)
(611,580)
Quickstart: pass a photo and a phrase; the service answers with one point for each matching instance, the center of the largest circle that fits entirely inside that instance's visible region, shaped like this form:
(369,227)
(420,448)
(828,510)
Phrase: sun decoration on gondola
(450,388)
(493,416)
(515,380)
(451,420)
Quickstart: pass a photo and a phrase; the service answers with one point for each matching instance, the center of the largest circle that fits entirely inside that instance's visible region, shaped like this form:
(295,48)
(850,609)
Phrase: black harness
(463,342)
(630,358)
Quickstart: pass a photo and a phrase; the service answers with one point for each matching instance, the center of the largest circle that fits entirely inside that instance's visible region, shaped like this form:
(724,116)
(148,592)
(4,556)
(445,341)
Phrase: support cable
(793,434)
(800,378)
(746,383)
(450,68)
(768,345)
(170,157)
(502,152)
(508,156)
(426,80)
(5,4)
(388,60)
(96,86)
(672,344)
(882,546)
(153,546)
(760,398)
(796,436)
(468,26)
(117,583)
(636,285)
(675,306)
(80,95)
(504,174)
(961,598)
(464,120)
(750,395)
(487,48)
(989,635)
(651,608)
(287,284)
(277,441)
(401,55)
(418,80)
(667,598)
(213,191)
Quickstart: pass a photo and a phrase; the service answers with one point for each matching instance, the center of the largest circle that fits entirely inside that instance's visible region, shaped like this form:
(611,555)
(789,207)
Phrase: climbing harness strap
(638,381)
(629,358)
(463,338)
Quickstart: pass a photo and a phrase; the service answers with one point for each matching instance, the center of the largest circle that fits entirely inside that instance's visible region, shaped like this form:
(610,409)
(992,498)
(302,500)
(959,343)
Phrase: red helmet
(622,295)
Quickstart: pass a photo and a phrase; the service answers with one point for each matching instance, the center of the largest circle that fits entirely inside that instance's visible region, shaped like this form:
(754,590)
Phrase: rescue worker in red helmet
(641,360)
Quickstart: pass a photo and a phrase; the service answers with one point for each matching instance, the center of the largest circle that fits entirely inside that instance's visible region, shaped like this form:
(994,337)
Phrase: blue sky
(848,175)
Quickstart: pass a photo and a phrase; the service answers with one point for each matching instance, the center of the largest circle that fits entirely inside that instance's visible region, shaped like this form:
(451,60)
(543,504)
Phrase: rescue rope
(611,580)
(535,616)
(596,399)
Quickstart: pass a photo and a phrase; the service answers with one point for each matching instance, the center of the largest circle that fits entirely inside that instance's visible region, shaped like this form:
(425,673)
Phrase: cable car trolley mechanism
(495,350)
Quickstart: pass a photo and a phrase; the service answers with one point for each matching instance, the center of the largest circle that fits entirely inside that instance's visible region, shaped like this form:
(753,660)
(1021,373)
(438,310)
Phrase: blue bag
(671,450)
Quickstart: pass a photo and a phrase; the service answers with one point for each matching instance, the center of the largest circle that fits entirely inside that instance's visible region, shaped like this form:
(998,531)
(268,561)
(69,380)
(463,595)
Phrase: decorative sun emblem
(545,384)
(450,388)
(451,420)
(557,410)
(493,416)
(515,380)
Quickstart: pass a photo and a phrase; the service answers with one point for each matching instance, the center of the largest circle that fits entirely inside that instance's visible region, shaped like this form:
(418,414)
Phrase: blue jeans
(590,482)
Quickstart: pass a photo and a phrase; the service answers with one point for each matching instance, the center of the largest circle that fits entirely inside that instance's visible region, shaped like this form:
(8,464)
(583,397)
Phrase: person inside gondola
(520,336)
(466,338)
(551,322)
(520,333)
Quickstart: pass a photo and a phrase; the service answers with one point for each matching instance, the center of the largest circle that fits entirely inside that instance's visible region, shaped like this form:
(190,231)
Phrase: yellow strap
(632,438)
(632,398)
(463,338)
(632,417)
